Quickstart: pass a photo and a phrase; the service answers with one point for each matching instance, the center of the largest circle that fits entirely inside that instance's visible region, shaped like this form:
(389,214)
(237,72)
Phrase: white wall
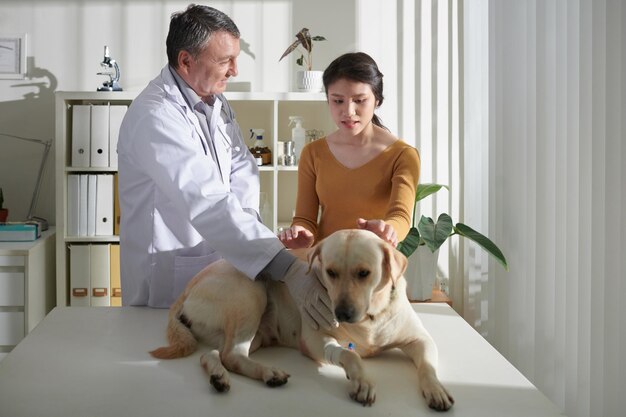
(65,47)
(552,135)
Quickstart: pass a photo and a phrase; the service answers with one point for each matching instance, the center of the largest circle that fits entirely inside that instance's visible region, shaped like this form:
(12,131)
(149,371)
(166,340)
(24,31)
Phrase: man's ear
(184,61)
(394,263)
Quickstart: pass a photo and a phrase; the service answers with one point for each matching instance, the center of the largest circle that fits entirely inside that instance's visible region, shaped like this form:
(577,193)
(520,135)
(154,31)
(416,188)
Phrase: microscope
(112,70)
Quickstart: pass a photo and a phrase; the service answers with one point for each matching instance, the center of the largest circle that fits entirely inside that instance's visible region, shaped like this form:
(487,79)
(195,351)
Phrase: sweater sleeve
(403,187)
(307,201)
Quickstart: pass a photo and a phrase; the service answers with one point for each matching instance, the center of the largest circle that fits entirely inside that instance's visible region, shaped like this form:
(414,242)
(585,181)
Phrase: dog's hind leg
(218,375)
(236,359)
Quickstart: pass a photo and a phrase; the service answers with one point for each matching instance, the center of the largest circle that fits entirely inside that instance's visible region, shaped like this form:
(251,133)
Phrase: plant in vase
(4,213)
(432,235)
(307,79)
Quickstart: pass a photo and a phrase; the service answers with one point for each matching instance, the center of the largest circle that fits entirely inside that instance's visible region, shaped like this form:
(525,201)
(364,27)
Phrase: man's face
(209,72)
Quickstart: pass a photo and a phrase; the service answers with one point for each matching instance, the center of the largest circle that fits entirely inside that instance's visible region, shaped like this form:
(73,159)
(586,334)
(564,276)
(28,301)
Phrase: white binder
(73,204)
(100,275)
(82,215)
(104,206)
(80,281)
(81,135)
(116,115)
(100,136)
(92,189)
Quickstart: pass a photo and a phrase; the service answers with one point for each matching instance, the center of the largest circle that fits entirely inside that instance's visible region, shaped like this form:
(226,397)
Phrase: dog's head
(359,270)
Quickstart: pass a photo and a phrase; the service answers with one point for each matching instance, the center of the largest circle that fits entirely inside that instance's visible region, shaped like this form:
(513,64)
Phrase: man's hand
(379,228)
(309,293)
(296,237)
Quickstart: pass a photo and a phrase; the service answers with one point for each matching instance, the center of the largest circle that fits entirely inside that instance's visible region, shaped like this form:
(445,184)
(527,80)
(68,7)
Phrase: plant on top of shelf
(433,235)
(304,39)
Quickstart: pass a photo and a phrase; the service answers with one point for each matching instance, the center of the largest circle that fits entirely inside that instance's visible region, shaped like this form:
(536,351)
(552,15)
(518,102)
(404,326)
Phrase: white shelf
(27,287)
(267,110)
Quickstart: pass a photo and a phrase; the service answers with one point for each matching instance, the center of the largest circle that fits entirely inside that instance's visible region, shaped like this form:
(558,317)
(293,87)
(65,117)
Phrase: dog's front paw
(363,391)
(275,377)
(437,396)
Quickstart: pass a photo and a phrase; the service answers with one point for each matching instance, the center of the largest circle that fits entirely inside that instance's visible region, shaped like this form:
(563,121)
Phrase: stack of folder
(90,205)
(95,130)
(95,275)
(19,231)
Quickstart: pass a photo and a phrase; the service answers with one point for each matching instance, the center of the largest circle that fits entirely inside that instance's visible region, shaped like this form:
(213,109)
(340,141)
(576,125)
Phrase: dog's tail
(181,341)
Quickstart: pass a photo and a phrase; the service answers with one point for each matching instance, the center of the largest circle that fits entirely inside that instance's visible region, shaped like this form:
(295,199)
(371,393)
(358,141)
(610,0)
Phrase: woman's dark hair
(359,67)
(190,30)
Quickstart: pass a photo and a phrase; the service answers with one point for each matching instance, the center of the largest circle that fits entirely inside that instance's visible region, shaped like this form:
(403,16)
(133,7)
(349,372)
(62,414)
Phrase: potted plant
(4,213)
(306,79)
(431,235)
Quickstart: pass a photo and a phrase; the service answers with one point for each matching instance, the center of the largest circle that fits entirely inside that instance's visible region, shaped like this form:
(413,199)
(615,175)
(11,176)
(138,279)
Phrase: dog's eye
(331,273)
(363,273)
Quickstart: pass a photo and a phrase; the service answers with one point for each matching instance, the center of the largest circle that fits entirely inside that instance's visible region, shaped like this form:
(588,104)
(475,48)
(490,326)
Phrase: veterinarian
(188,186)
(361,175)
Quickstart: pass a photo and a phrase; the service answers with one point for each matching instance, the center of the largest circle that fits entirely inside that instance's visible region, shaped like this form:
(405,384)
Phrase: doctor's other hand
(381,229)
(296,237)
(308,292)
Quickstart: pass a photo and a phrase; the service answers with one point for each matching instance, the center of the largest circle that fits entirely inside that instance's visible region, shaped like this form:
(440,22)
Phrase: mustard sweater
(383,188)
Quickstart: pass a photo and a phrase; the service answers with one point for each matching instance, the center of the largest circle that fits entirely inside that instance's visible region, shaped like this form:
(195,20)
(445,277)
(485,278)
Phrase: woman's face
(351,104)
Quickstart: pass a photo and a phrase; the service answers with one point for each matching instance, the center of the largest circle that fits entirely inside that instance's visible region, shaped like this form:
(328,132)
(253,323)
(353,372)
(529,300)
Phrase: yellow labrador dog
(235,316)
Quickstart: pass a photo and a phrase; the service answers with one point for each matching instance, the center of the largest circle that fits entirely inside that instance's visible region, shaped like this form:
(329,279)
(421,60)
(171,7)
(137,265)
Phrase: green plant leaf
(305,39)
(410,242)
(290,49)
(434,234)
(300,61)
(318,38)
(483,241)
(424,190)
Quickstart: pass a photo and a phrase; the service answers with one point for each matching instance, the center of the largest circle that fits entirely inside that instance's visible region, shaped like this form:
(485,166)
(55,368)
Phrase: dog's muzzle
(345,312)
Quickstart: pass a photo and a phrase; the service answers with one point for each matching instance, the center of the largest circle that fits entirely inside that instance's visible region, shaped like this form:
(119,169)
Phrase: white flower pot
(421,274)
(309,81)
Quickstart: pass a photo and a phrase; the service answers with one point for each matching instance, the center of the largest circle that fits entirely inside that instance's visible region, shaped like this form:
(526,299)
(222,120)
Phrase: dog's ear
(394,262)
(315,253)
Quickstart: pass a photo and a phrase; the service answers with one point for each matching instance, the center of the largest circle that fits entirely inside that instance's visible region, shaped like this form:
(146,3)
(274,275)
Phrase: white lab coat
(180,209)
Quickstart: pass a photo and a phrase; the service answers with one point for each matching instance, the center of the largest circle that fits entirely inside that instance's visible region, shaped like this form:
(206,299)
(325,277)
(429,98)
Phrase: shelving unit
(26,287)
(268,111)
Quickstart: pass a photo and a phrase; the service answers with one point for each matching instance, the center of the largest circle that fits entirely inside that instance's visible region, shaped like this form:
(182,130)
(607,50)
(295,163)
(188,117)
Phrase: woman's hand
(380,229)
(296,237)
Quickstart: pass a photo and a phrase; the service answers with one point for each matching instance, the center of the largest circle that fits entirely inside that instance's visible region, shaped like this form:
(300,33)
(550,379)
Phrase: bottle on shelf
(298,134)
(261,152)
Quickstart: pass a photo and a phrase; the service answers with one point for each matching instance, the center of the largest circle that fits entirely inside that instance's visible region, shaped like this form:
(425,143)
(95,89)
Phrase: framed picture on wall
(13,56)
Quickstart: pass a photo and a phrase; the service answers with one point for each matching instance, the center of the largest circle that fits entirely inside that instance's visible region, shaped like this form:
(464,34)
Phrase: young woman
(361,176)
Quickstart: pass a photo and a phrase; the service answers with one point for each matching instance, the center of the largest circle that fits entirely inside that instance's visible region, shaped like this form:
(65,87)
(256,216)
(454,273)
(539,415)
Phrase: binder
(80,282)
(92,189)
(73,204)
(116,205)
(100,136)
(116,285)
(82,215)
(116,115)
(100,267)
(80,135)
(104,206)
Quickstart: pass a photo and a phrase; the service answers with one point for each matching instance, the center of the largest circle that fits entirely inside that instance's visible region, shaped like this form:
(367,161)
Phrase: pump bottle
(298,134)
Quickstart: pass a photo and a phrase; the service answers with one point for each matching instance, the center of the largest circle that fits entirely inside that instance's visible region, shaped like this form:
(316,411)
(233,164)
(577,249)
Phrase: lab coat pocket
(186,267)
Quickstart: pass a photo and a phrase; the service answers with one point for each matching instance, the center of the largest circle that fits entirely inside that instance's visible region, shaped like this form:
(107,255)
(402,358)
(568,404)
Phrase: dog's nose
(344,312)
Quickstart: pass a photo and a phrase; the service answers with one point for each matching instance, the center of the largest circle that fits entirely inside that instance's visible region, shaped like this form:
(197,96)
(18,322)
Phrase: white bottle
(298,134)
